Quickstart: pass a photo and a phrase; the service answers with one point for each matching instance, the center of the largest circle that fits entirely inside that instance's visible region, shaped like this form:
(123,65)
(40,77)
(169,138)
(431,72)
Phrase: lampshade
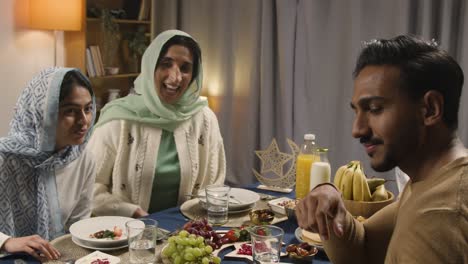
(55,14)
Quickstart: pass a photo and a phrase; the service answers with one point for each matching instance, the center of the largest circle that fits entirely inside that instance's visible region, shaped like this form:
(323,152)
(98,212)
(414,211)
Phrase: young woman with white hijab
(46,176)
(163,143)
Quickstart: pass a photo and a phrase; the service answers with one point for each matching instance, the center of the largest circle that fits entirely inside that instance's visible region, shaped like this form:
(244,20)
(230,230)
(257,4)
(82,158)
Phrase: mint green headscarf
(146,107)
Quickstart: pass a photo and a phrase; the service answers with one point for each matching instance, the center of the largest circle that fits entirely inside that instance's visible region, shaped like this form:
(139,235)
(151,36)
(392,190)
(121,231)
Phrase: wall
(23,54)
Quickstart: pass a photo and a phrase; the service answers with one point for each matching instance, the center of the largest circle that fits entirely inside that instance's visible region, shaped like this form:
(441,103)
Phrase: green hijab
(145,106)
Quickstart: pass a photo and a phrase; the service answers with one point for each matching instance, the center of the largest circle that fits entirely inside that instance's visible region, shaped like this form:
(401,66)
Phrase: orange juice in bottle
(304,161)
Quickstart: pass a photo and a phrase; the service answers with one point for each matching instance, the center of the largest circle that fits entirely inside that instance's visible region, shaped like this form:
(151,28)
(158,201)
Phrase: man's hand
(321,205)
(33,245)
(139,213)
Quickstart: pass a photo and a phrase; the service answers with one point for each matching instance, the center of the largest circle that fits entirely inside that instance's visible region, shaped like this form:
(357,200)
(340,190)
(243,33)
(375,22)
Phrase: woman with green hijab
(163,143)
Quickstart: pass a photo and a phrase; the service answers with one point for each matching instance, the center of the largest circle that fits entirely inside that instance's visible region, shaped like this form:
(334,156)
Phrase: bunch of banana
(353,184)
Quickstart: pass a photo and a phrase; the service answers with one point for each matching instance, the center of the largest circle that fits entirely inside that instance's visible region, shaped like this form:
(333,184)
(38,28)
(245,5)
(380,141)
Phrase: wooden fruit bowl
(367,209)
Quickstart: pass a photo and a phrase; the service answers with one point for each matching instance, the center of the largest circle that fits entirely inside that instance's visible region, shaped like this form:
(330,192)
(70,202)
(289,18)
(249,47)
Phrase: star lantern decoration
(273,160)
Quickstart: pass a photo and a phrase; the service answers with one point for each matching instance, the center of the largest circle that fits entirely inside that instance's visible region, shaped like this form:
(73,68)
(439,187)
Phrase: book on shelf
(97,60)
(145,7)
(90,68)
(100,60)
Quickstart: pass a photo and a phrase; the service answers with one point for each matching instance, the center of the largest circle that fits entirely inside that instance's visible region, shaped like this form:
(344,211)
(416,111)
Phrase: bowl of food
(367,208)
(279,205)
(262,217)
(302,251)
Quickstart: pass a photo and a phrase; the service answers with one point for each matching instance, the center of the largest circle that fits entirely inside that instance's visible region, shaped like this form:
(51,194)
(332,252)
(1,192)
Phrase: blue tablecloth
(172,219)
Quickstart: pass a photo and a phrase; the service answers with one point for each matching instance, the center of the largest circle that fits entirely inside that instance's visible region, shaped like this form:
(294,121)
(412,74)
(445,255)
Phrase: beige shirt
(128,151)
(428,224)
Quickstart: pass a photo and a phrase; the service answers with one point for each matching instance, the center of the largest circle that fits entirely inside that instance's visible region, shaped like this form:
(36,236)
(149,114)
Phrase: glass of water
(217,202)
(142,236)
(266,243)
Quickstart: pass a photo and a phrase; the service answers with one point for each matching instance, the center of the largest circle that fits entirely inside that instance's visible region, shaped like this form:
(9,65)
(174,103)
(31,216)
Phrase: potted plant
(111,38)
(135,43)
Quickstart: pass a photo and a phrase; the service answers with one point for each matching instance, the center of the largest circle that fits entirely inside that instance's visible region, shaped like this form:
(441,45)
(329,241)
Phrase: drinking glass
(320,170)
(217,202)
(142,236)
(266,243)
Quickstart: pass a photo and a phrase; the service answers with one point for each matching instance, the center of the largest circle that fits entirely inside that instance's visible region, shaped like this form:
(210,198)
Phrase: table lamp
(57,15)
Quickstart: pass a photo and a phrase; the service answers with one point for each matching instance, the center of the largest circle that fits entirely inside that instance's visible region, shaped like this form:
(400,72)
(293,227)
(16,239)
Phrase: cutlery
(232,199)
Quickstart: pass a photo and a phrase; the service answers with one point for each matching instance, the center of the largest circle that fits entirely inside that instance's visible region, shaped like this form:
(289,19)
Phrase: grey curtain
(283,68)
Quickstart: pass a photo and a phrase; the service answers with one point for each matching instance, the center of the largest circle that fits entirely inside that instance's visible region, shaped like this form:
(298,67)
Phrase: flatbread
(312,238)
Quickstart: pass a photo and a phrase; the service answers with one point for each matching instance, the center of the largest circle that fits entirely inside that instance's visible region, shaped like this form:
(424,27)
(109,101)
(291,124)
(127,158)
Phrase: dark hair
(423,67)
(71,79)
(190,44)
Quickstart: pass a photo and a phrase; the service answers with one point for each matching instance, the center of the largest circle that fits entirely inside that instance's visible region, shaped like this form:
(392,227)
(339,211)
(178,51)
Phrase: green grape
(177,260)
(205,260)
(200,240)
(188,250)
(216,260)
(189,256)
(197,252)
(180,248)
(193,241)
(178,240)
(183,233)
(171,239)
(208,249)
(166,252)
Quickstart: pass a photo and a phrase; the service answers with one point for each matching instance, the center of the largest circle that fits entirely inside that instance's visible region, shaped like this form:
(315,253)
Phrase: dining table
(172,219)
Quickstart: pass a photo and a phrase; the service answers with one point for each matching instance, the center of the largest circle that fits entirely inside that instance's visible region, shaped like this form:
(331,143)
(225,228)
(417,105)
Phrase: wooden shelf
(122,21)
(92,34)
(123,75)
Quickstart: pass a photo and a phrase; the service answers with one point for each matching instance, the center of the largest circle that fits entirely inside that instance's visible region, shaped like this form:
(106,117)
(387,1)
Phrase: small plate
(98,255)
(298,234)
(243,198)
(81,244)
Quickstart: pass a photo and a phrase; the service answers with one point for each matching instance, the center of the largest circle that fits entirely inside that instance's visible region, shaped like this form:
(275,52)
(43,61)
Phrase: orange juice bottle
(304,161)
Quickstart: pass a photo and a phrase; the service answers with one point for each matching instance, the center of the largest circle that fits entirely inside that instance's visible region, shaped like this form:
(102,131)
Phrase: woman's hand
(321,205)
(33,245)
(139,213)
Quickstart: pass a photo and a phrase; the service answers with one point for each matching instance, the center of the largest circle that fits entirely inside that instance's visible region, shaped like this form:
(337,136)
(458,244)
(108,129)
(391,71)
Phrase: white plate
(298,234)
(241,198)
(84,228)
(98,255)
(81,244)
